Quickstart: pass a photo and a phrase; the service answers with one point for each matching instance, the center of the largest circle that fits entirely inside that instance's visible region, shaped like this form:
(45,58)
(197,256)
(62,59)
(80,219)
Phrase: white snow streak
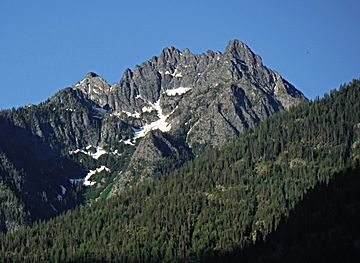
(99,151)
(175,74)
(127,142)
(87,181)
(147,109)
(116,152)
(177,91)
(134,115)
(160,124)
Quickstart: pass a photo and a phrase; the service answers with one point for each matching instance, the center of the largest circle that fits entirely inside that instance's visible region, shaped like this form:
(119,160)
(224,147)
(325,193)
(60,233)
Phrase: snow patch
(191,128)
(147,109)
(87,181)
(127,142)
(80,83)
(99,152)
(178,75)
(116,152)
(177,91)
(116,114)
(175,74)
(76,151)
(160,124)
(134,115)
(187,134)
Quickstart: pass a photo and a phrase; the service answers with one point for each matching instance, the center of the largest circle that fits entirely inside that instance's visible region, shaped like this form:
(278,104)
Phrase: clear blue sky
(47,45)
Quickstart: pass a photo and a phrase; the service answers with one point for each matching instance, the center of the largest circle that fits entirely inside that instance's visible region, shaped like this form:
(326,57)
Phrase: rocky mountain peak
(240,51)
(92,80)
(95,88)
(168,57)
(173,76)
(128,74)
(164,111)
(186,52)
(91,75)
(169,52)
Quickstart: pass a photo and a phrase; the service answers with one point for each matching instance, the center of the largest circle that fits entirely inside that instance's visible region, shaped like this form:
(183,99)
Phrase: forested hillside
(324,227)
(224,203)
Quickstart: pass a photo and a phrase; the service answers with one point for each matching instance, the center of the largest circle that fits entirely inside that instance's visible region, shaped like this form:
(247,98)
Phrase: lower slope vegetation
(223,204)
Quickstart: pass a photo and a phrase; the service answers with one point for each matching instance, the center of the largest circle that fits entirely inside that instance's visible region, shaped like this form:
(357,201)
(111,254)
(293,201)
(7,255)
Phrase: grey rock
(182,102)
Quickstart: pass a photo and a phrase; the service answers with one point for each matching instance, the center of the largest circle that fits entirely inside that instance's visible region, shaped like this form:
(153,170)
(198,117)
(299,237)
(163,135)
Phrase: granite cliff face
(201,100)
(230,91)
(159,115)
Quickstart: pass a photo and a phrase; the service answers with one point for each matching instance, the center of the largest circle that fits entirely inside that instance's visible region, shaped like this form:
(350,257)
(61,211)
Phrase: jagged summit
(91,75)
(169,53)
(164,111)
(179,83)
(175,69)
(240,51)
(195,100)
(200,99)
(94,87)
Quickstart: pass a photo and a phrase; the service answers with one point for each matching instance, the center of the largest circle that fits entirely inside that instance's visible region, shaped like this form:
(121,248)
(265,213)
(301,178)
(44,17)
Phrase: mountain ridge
(159,115)
(170,58)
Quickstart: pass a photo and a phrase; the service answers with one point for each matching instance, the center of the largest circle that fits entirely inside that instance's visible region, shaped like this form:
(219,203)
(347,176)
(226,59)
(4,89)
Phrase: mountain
(98,139)
(285,190)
